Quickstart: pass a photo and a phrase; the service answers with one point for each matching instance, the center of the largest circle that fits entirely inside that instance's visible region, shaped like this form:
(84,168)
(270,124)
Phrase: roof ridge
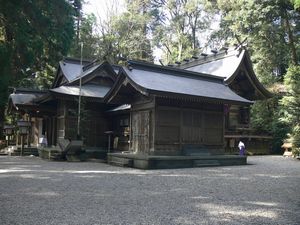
(90,65)
(27,90)
(172,69)
(205,58)
(74,59)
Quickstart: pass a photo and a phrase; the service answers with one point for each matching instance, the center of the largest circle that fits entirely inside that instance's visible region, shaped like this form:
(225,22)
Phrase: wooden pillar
(29,132)
(53,131)
(22,144)
(17,139)
(49,130)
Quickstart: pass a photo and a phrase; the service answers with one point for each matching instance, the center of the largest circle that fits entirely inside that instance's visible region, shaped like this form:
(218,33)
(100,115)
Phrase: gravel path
(34,191)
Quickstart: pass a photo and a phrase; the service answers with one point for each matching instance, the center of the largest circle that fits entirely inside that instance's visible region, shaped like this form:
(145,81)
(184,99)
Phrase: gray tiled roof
(164,79)
(219,66)
(94,91)
(86,72)
(70,70)
(24,98)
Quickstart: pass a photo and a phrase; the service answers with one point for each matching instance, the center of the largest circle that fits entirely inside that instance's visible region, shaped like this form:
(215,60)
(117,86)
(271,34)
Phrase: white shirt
(241,144)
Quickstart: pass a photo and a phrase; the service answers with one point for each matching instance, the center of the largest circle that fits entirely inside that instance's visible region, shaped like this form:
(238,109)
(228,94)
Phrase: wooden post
(108,143)
(22,145)
(29,133)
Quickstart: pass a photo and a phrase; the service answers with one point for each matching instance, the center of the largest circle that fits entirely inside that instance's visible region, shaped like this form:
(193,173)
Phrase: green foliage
(37,32)
(88,37)
(272,31)
(262,113)
(4,77)
(296,3)
(266,25)
(132,29)
(291,103)
(296,136)
(265,118)
(34,35)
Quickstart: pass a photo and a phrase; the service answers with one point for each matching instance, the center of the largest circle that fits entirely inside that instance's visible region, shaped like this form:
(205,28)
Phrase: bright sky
(101,7)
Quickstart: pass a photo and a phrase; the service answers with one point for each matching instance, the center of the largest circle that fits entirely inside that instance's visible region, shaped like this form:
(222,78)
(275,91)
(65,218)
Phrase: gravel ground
(34,191)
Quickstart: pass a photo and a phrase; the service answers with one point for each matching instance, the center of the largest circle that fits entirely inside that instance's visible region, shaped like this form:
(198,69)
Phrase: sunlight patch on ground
(228,211)
(178,175)
(271,176)
(45,194)
(87,176)
(200,197)
(105,172)
(13,170)
(264,203)
(33,176)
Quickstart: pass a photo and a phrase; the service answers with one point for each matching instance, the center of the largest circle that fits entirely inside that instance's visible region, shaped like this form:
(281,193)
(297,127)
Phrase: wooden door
(213,128)
(140,131)
(192,128)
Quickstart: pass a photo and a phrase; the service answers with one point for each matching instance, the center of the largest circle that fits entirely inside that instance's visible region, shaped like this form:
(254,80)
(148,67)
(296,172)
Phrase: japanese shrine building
(157,116)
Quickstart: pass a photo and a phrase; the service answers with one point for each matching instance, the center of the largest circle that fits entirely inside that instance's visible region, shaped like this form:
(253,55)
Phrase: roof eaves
(136,86)
(199,98)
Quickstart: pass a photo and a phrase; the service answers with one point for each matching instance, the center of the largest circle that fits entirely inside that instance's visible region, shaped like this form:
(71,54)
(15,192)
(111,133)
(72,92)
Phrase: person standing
(242,148)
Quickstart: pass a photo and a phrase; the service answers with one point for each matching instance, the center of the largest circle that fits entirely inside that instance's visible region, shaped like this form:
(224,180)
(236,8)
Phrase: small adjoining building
(235,66)
(149,116)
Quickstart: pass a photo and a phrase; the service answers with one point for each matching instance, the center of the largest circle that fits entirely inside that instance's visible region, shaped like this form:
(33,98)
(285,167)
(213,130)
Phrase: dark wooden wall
(94,123)
(121,130)
(166,127)
(177,128)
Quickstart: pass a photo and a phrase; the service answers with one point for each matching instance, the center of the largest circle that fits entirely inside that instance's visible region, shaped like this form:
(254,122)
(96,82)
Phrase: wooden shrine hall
(148,116)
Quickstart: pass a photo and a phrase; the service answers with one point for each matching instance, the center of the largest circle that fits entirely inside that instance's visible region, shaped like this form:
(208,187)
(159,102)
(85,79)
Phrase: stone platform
(171,162)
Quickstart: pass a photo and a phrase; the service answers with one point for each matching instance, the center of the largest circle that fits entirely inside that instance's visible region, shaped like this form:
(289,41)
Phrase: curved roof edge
(228,64)
(147,82)
(246,59)
(259,85)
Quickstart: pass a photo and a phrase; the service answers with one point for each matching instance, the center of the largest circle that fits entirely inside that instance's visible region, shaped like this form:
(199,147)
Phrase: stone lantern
(8,131)
(24,127)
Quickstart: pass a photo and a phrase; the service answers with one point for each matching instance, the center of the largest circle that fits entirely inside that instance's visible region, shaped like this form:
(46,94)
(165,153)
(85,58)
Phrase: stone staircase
(123,162)
(26,151)
(50,154)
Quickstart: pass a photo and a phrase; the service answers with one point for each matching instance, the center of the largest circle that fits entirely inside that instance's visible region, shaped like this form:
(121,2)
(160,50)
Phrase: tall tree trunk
(291,42)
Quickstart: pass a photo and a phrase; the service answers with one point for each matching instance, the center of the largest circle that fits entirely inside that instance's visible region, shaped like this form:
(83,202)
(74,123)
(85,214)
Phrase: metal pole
(79,97)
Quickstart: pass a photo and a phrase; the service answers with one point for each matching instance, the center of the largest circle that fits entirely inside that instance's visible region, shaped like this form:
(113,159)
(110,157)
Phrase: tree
(132,29)
(34,35)
(180,30)
(89,37)
(268,27)
(291,103)
(272,31)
